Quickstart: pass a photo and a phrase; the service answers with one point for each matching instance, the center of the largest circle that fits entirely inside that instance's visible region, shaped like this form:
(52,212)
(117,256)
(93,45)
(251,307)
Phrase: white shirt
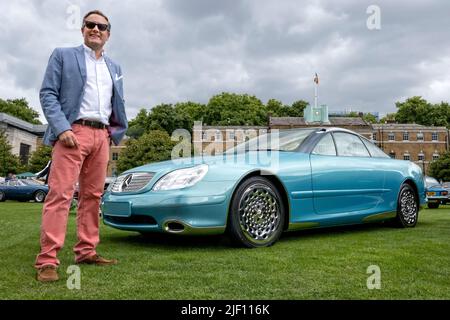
(96,103)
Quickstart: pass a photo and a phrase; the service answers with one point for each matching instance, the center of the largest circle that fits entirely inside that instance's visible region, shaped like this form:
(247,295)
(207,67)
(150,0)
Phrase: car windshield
(430,182)
(276,140)
(29,182)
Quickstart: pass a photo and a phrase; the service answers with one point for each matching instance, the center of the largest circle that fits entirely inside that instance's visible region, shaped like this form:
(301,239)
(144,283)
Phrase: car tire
(257,214)
(407,207)
(433,205)
(2,196)
(39,196)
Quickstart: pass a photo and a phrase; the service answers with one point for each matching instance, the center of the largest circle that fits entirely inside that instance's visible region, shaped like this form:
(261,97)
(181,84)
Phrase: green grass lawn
(314,264)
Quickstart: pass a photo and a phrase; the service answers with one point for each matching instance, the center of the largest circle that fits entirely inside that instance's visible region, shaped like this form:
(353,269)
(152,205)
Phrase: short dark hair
(100,14)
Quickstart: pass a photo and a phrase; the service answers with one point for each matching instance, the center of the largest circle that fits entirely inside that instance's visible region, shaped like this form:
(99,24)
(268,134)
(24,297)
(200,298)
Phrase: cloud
(174,50)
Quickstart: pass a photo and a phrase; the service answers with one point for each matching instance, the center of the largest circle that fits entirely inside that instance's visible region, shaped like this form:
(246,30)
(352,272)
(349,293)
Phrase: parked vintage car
(284,180)
(446,186)
(23,190)
(436,193)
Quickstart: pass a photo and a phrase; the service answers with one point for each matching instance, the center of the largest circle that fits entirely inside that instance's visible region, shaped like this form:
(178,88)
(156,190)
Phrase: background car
(446,186)
(436,193)
(23,190)
(282,181)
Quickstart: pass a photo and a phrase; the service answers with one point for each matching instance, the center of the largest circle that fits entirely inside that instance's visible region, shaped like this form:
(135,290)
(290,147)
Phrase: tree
(8,161)
(369,118)
(187,113)
(40,158)
(19,108)
(440,169)
(388,118)
(297,108)
(413,110)
(156,145)
(235,109)
(139,125)
(420,111)
(163,117)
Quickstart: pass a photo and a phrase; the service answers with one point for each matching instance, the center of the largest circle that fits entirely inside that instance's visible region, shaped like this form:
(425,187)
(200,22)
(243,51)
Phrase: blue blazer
(62,91)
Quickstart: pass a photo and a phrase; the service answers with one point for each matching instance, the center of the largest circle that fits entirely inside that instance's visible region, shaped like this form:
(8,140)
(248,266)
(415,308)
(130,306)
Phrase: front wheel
(257,213)
(407,207)
(39,196)
(2,196)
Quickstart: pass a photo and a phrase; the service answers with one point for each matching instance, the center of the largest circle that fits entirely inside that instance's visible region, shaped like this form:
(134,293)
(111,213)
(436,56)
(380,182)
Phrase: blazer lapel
(113,73)
(81,62)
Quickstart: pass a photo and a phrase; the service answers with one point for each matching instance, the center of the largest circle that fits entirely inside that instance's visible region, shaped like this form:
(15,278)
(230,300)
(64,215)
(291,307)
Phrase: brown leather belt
(90,123)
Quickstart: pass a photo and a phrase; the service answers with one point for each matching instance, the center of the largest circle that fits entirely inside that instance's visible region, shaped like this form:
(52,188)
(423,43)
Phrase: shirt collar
(91,52)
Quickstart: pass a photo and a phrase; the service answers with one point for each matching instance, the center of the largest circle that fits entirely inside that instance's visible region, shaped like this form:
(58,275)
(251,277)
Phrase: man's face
(94,38)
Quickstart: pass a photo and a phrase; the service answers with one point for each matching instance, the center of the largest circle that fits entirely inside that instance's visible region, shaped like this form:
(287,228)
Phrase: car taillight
(444,193)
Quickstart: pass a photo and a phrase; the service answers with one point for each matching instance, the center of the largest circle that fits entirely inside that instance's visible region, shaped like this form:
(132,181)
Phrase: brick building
(417,143)
(211,140)
(414,142)
(114,154)
(24,137)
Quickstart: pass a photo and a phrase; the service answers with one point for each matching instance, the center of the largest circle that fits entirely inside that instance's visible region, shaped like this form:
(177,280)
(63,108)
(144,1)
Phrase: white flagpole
(315,94)
(316,90)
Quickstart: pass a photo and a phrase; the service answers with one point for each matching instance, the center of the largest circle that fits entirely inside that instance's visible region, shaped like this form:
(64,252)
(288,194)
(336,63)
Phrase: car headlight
(181,178)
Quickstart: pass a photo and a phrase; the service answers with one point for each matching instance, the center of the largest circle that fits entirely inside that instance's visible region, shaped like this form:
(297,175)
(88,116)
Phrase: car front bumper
(171,211)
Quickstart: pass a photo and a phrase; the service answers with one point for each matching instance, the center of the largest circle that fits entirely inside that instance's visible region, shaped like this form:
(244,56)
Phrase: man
(82,100)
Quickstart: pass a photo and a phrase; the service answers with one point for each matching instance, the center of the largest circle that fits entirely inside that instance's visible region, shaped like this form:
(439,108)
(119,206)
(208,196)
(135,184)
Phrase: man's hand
(68,139)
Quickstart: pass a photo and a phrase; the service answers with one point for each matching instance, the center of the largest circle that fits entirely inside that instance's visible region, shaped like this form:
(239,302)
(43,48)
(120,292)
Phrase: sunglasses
(101,26)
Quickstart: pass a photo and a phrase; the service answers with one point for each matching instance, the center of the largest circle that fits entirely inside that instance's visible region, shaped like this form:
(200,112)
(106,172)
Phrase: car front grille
(132,182)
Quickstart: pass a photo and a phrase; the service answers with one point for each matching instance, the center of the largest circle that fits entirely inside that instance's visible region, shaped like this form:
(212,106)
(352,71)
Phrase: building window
(231,135)
(115,156)
(392,154)
(421,157)
(434,136)
(204,135)
(435,156)
(406,156)
(24,153)
(420,136)
(405,136)
(374,136)
(391,136)
(218,136)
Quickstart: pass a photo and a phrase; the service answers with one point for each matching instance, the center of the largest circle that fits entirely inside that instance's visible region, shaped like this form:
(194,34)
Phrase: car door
(344,177)
(11,190)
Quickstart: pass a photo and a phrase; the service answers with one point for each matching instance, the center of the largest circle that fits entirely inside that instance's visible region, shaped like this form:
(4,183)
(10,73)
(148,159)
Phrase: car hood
(224,166)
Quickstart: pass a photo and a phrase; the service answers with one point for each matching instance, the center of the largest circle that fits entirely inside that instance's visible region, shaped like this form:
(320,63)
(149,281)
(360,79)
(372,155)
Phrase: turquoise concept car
(280,181)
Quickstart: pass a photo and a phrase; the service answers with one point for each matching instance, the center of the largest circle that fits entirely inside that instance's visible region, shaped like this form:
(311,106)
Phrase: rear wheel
(257,213)
(407,207)
(2,196)
(39,196)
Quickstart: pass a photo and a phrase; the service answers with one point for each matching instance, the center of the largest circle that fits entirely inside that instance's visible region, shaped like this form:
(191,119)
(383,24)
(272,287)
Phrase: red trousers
(87,164)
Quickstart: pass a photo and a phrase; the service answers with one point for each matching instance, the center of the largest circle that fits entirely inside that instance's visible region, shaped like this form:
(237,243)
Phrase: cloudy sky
(179,50)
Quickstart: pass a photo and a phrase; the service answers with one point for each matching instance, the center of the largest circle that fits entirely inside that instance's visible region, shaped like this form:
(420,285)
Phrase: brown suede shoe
(98,260)
(47,273)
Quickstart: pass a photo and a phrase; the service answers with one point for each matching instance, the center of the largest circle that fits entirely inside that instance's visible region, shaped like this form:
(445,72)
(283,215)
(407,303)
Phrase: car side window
(325,146)
(375,152)
(349,145)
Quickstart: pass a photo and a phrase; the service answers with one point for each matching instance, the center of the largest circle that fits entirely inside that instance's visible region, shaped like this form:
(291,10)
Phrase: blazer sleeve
(50,93)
